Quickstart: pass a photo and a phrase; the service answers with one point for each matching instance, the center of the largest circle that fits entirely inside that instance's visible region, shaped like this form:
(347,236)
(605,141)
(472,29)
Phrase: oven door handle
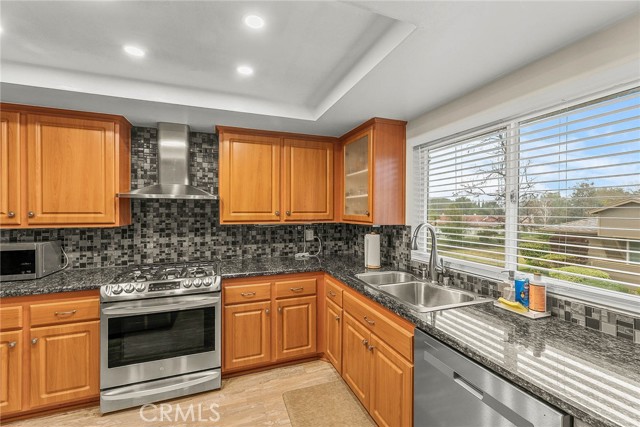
(160,308)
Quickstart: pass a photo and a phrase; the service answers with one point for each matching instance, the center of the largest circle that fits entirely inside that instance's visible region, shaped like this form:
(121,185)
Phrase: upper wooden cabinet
(71,167)
(271,177)
(372,173)
(10,179)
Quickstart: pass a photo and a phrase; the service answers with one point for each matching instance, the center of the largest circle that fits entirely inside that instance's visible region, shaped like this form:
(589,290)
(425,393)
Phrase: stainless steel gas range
(160,330)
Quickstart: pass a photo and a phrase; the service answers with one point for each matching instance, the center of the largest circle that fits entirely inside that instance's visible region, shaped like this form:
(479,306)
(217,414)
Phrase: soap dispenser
(508,286)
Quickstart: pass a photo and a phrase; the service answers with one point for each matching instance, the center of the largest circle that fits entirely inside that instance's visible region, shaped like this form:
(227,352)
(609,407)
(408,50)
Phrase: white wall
(597,63)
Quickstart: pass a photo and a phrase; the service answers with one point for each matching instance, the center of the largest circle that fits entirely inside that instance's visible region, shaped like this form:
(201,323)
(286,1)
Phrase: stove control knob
(128,288)
(186,283)
(116,289)
(140,287)
(207,281)
(197,283)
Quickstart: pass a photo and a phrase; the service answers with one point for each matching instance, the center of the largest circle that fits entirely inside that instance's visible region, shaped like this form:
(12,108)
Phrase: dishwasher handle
(449,372)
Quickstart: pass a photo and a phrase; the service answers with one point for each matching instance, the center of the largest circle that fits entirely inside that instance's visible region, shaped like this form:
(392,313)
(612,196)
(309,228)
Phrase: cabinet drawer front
(10,318)
(333,292)
(247,293)
(296,288)
(65,312)
(382,325)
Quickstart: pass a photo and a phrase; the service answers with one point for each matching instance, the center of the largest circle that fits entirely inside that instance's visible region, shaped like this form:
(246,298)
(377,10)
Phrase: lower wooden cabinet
(296,327)
(64,363)
(280,327)
(333,334)
(48,358)
(247,334)
(10,372)
(356,360)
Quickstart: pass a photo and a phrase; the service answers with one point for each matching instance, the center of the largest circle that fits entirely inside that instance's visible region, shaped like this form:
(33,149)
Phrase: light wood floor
(250,400)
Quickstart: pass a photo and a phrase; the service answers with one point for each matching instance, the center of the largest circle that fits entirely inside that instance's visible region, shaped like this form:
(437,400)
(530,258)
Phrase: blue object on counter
(522,291)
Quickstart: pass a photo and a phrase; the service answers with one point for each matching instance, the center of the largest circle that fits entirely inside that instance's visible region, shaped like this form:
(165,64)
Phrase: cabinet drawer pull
(12,344)
(365,342)
(369,321)
(65,313)
(332,294)
(300,289)
(248,294)
(34,341)
(11,214)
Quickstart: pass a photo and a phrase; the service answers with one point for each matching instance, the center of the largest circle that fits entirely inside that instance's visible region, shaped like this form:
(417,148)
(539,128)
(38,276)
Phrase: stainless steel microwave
(24,261)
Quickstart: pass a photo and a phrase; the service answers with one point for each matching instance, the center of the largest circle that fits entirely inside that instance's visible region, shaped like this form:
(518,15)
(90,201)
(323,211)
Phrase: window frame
(605,298)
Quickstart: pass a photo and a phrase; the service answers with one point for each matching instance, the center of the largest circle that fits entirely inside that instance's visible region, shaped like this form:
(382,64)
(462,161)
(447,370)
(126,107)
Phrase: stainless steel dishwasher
(451,390)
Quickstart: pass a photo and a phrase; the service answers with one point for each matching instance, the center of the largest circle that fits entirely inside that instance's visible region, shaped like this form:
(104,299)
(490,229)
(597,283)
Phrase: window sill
(601,298)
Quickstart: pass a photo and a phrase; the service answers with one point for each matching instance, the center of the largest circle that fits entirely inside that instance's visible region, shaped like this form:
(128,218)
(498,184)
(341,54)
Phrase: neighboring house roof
(580,226)
(617,205)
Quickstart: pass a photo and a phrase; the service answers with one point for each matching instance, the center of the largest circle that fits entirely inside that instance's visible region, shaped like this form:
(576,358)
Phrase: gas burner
(197,272)
(170,273)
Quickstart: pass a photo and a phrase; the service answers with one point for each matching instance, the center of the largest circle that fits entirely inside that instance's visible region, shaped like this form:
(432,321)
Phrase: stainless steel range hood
(173,168)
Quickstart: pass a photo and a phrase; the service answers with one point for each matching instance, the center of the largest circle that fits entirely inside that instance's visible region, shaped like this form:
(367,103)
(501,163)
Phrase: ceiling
(319,67)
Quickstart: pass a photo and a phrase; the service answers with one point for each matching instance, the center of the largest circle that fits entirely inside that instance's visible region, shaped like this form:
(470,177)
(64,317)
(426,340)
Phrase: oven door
(156,338)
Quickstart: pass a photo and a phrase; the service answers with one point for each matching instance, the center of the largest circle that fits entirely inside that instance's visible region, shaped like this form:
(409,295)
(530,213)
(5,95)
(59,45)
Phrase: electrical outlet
(308,235)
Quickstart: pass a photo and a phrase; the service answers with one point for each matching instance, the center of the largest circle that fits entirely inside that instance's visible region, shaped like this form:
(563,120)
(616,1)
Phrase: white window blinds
(557,194)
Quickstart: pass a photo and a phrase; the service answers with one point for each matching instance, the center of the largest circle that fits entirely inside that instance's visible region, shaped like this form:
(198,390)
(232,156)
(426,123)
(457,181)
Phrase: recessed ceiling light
(133,50)
(254,21)
(245,70)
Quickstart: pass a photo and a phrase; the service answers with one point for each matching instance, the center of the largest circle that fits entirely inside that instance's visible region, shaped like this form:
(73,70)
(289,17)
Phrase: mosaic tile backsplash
(185,230)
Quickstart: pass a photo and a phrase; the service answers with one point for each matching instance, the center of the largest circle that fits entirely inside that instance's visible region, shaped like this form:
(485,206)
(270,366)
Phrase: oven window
(143,338)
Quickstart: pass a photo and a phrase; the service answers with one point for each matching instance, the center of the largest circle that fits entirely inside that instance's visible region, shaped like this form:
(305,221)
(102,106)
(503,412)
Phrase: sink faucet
(433,256)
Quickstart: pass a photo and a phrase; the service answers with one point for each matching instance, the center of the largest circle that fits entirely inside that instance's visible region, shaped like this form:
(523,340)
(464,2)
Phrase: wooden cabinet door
(247,334)
(71,169)
(296,327)
(308,180)
(391,375)
(10,372)
(357,178)
(249,175)
(65,363)
(356,358)
(333,331)
(10,165)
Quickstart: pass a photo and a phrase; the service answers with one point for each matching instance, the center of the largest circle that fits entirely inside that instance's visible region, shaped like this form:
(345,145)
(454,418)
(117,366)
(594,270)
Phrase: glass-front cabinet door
(357,177)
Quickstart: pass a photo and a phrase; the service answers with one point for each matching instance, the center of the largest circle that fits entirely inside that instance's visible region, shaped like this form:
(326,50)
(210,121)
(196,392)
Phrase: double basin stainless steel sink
(419,295)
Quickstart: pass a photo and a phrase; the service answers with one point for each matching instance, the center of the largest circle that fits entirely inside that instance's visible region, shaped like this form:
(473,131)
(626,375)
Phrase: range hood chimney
(173,168)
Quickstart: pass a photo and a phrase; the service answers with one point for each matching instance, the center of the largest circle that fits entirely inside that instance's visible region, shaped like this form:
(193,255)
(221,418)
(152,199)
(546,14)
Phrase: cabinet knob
(12,344)
(267,311)
(288,213)
(371,348)
(31,214)
(365,342)
(366,213)
(277,213)
(338,318)
(11,214)
(34,341)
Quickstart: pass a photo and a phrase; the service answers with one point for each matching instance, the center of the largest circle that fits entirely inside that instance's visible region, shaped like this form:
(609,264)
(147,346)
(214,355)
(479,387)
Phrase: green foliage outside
(560,273)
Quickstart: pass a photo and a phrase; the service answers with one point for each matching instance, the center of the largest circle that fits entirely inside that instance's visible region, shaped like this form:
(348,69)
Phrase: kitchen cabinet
(372,175)
(10,372)
(10,178)
(333,339)
(71,167)
(49,352)
(272,177)
(65,363)
(247,334)
(377,360)
(269,320)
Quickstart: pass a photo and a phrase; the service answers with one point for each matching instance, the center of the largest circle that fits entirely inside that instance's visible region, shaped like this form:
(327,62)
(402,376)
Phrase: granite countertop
(592,376)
